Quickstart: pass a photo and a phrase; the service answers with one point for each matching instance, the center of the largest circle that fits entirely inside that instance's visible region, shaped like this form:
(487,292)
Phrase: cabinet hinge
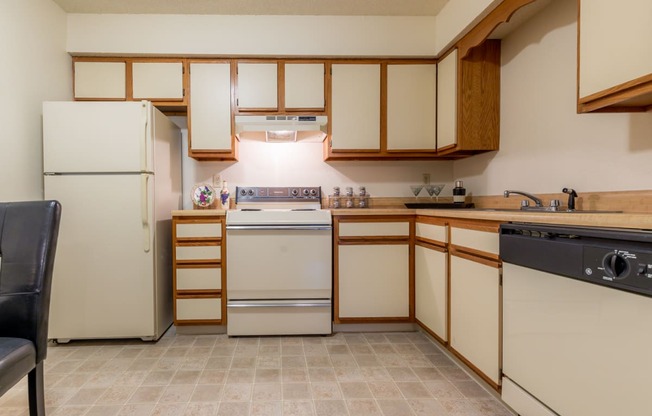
(183,92)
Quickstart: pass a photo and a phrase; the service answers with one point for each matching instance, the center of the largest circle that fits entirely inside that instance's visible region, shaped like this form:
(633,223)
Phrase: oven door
(279,262)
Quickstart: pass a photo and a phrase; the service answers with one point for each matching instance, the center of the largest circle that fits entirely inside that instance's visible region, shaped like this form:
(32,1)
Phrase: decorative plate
(203,195)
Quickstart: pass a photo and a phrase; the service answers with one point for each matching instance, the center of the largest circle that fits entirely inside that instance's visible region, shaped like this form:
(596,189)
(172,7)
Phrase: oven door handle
(279,304)
(280,227)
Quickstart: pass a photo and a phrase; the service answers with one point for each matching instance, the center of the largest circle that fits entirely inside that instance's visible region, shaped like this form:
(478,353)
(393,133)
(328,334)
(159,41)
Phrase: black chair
(28,239)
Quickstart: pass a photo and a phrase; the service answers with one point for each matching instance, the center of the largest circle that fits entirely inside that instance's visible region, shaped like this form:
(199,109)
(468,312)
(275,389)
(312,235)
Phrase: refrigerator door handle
(144,142)
(144,211)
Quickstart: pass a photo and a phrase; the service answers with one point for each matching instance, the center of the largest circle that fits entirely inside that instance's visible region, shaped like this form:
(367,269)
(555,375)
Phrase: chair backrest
(28,240)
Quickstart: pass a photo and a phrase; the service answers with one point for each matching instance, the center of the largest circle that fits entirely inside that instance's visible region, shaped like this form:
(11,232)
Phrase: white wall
(545,145)
(251,35)
(301,164)
(34,67)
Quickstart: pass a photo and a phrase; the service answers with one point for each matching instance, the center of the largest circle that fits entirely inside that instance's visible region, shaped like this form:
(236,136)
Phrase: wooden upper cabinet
(157,81)
(160,80)
(257,86)
(355,108)
(104,80)
(209,119)
(468,104)
(304,86)
(411,107)
(615,63)
(447,101)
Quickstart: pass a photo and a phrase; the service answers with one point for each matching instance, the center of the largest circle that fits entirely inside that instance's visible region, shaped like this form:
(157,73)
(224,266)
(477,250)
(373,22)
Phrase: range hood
(285,128)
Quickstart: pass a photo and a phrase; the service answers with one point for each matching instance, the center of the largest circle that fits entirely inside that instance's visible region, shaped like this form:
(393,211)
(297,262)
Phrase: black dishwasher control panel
(616,258)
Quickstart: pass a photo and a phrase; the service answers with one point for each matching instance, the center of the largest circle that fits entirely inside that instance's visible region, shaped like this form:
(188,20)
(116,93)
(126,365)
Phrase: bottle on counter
(224,197)
(459,193)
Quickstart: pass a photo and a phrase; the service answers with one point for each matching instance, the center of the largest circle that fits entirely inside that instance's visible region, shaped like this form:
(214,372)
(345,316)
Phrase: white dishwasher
(577,314)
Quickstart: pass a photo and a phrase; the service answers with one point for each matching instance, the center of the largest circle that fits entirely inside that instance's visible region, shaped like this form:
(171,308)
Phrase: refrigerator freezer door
(80,137)
(104,278)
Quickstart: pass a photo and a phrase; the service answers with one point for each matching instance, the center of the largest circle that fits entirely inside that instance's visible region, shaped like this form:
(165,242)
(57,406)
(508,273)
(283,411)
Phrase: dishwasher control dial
(615,265)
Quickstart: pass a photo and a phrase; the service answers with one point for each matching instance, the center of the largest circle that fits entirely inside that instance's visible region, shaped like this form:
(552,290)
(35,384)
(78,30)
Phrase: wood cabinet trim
(475,369)
(373,240)
(432,220)
(488,259)
(431,244)
(478,225)
(501,14)
(218,264)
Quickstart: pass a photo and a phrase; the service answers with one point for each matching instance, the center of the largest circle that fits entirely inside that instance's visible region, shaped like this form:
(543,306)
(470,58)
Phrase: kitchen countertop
(587,219)
(591,219)
(198,213)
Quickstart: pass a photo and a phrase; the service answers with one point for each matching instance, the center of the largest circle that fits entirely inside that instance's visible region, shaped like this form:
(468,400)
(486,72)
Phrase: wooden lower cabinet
(475,323)
(374,281)
(199,272)
(475,315)
(374,269)
(431,277)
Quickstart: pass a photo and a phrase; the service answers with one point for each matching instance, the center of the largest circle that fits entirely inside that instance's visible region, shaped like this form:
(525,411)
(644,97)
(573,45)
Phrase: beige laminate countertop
(198,213)
(592,219)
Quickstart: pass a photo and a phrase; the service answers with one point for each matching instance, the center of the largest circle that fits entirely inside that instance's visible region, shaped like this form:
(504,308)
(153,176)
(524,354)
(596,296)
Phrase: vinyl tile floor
(353,374)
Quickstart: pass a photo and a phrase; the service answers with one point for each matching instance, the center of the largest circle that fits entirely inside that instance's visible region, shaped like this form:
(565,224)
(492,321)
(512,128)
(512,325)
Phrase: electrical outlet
(216,179)
(426,178)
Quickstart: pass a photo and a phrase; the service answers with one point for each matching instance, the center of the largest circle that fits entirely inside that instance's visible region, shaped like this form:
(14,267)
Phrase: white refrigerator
(116,169)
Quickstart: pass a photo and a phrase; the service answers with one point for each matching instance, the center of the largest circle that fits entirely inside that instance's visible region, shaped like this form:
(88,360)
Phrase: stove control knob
(313,192)
(250,192)
(243,192)
(305,192)
(295,192)
(615,266)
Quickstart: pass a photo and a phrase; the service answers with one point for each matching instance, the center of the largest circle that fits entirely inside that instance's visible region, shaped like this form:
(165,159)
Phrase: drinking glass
(416,189)
(435,190)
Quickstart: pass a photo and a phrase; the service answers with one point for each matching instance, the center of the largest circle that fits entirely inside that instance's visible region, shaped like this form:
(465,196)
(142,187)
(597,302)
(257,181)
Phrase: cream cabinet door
(615,40)
(157,80)
(447,101)
(475,314)
(209,124)
(257,86)
(373,281)
(431,292)
(355,107)
(411,107)
(304,86)
(100,80)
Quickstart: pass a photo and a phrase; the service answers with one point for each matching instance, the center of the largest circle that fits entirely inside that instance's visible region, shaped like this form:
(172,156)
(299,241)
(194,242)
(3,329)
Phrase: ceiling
(258,7)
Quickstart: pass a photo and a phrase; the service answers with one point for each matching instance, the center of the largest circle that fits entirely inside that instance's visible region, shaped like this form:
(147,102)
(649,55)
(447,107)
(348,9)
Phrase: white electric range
(279,262)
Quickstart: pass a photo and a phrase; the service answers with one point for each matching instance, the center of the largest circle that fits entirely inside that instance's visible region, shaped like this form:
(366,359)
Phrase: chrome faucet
(536,200)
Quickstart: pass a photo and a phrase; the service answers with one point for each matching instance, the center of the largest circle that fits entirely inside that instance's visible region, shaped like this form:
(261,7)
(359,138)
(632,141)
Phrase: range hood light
(280,136)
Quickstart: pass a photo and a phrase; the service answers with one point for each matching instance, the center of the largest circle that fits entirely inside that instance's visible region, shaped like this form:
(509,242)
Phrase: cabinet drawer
(199,278)
(199,230)
(349,229)
(432,232)
(203,252)
(479,240)
(199,309)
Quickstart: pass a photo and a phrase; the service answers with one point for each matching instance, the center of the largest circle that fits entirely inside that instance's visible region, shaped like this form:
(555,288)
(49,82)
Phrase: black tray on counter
(438,205)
